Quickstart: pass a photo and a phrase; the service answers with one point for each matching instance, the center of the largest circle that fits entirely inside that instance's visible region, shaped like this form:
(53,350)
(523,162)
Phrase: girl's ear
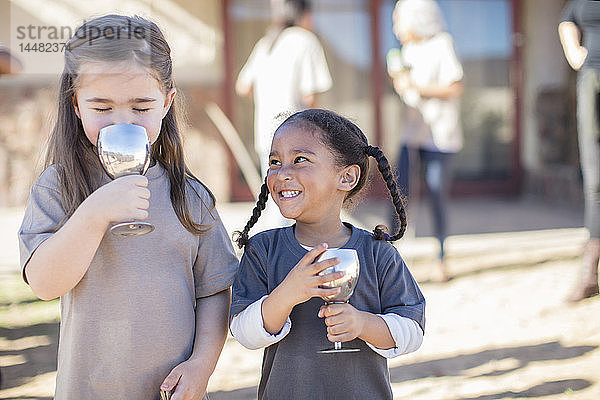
(169,101)
(75,106)
(349,177)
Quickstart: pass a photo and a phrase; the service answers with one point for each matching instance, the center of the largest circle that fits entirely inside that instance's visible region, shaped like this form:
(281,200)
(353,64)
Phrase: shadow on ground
(38,358)
(541,390)
(29,398)
(238,394)
(457,365)
(18,303)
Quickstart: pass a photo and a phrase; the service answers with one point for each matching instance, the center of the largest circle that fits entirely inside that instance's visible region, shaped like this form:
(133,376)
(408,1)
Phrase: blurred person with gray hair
(582,17)
(429,82)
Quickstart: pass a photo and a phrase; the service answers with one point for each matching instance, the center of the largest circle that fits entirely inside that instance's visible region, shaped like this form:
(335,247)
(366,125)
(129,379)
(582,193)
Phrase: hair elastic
(371,150)
(380,233)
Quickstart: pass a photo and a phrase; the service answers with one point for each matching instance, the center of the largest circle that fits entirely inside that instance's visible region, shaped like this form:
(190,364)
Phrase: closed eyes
(102,110)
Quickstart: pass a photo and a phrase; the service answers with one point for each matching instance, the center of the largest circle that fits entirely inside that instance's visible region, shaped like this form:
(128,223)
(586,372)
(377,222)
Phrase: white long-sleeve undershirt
(248,328)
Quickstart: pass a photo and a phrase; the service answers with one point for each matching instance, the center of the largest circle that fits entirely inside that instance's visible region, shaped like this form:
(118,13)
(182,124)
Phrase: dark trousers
(588,127)
(438,178)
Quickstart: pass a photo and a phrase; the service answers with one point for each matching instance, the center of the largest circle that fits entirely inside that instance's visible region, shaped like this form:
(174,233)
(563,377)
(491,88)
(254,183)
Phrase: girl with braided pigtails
(318,162)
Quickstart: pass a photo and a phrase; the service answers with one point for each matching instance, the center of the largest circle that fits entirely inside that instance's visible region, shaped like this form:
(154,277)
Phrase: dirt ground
(504,332)
(500,329)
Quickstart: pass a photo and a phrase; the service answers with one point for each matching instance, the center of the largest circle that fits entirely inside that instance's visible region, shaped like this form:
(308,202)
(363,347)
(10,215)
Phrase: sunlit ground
(499,330)
(500,333)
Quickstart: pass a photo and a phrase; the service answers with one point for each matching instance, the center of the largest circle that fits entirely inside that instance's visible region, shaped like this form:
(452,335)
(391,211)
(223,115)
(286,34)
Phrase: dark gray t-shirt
(292,368)
(586,15)
(131,318)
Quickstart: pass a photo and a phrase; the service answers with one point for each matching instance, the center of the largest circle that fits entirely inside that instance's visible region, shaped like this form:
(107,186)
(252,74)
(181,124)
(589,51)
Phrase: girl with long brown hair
(138,314)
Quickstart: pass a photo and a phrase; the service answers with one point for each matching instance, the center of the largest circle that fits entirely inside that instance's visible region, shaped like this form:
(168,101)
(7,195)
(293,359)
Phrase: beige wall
(27,100)
(549,137)
(544,67)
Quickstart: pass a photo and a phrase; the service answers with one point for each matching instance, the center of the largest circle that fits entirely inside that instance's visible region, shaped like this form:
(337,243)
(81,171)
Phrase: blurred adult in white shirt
(284,72)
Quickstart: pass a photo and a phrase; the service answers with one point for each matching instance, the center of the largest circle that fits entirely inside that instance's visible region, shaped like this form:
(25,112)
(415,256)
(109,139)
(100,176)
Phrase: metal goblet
(350,265)
(124,149)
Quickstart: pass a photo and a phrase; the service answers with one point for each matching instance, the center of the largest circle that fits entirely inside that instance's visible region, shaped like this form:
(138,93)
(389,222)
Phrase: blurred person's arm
(247,75)
(313,77)
(309,100)
(570,39)
(403,83)
(445,92)
(243,89)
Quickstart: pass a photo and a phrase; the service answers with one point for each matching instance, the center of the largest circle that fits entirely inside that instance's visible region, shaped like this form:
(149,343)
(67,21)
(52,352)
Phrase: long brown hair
(116,38)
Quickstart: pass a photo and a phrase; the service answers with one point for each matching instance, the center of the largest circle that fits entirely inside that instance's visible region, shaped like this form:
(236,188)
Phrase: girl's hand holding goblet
(302,283)
(344,322)
(120,200)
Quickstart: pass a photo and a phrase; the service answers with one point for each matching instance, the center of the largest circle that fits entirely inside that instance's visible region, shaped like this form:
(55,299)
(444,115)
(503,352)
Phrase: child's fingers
(344,337)
(141,180)
(143,193)
(145,204)
(140,215)
(337,326)
(326,278)
(321,287)
(171,380)
(323,292)
(140,191)
(135,179)
(337,329)
(310,257)
(142,204)
(317,267)
(331,310)
(321,313)
(137,211)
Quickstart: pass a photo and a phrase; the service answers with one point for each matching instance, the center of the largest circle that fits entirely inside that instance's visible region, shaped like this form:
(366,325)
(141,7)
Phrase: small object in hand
(394,61)
(165,394)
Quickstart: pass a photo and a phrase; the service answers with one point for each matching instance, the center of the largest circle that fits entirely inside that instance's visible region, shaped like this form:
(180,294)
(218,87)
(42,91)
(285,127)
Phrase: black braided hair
(384,168)
(349,146)
(241,237)
(347,141)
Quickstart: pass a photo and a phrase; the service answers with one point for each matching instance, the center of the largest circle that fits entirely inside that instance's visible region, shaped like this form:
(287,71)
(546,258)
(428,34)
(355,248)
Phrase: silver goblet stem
(124,149)
(349,264)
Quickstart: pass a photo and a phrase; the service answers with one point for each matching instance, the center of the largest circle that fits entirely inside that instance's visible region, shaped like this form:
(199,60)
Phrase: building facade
(518,108)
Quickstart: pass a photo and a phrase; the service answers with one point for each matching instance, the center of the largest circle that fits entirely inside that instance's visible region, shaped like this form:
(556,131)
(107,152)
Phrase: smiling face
(122,93)
(303,179)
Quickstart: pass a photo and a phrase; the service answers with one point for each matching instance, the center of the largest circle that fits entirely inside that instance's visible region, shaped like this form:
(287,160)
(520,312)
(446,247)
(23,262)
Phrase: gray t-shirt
(292,368)
(131,318)
(586,15)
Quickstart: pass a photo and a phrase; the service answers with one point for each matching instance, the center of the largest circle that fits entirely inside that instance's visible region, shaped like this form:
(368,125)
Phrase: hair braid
(384,168)
(241,237)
